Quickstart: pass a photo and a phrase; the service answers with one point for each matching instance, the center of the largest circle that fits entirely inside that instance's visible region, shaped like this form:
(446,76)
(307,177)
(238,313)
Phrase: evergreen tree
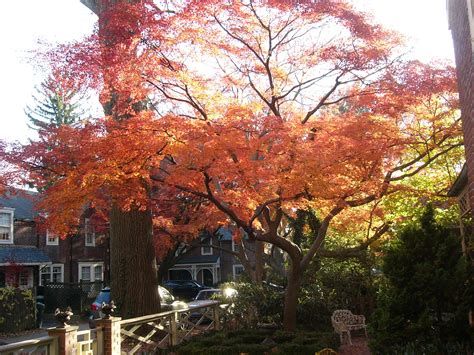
(55,105)
(425,298)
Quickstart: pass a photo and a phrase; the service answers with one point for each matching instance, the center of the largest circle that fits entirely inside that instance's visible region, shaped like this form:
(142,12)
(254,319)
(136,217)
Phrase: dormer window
(206,248)
(6,225)
(89,232)
(51,239)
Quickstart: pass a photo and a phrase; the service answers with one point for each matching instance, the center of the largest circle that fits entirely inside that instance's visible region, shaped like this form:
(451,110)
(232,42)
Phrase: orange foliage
(223,108)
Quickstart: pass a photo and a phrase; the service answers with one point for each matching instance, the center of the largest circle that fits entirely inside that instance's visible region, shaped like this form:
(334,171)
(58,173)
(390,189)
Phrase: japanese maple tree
(237,114)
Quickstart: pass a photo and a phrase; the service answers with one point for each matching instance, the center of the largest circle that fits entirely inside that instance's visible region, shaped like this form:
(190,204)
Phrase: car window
(189,284)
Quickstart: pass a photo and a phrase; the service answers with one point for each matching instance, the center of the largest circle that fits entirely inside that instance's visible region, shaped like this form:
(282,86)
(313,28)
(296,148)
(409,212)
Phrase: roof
(224,233)
(22,255)
(198,259)
(460,183)
(23,202)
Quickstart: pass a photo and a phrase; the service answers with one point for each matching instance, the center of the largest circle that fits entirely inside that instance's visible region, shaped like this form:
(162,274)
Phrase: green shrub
(424,301)
(250,341)
(17,310)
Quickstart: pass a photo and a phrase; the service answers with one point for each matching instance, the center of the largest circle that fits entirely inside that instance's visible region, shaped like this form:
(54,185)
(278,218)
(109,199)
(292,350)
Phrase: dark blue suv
(184,289)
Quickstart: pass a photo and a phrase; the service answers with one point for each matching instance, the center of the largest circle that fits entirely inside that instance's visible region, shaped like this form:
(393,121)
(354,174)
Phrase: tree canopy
(236,113)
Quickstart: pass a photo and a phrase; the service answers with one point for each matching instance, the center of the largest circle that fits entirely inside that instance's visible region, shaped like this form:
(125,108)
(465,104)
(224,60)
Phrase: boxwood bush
(250,341)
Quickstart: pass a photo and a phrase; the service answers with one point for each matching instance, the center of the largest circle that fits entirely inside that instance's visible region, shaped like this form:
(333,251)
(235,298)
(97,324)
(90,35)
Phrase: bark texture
(134,281)
(291,296)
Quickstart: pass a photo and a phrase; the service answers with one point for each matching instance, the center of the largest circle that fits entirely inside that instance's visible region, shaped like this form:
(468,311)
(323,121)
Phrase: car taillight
(94,307)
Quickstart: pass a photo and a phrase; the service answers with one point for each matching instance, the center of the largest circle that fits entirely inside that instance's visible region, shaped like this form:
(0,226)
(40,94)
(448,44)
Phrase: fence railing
(162,330)
(90,342)
(44,345)
(145,334)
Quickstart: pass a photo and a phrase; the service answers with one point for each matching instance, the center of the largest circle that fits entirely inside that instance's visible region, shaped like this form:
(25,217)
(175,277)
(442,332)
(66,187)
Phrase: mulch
(358,347)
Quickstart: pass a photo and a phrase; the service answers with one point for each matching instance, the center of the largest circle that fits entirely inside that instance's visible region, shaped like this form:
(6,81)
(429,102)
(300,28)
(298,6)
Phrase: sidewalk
(48,322)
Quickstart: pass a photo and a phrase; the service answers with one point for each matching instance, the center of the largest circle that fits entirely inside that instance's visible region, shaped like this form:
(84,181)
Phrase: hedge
(17,310)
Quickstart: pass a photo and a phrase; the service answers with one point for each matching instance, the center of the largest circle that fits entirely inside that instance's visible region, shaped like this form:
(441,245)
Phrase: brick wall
(73,250)
(460,29)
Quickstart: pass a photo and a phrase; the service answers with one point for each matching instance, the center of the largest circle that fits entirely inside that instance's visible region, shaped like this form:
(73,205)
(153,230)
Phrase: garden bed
(258,342)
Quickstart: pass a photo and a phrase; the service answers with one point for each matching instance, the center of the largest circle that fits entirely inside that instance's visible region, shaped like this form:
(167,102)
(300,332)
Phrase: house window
(24,279)
(52,273)
(6,225)
(89,232)
(238,270)
(91,272)
(235,246)
(51,239)
(206,249)
(85,273)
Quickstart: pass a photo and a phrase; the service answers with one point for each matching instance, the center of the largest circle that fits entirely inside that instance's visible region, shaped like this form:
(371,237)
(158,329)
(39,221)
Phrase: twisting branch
(320,237)
(355,251)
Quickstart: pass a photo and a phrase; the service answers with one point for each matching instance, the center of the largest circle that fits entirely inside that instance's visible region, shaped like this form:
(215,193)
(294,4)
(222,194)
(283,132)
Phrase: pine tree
(55,105)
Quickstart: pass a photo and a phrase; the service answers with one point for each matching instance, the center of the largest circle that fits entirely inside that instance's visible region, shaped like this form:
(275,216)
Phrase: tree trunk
(259,261)
(134,283)
(291,295)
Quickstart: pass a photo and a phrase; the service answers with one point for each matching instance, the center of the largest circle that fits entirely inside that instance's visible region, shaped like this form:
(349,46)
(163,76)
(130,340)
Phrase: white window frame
(235,246)
(48,242)
(22,276)
(234,267)
(11,212)
(180,250)
(91,266)
(51,272)
(87,225)
(203,248)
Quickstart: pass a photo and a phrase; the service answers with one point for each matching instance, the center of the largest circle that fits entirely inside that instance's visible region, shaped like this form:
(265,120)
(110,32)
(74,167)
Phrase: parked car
(205,298)
(209,297)
(184,289)
(168,302)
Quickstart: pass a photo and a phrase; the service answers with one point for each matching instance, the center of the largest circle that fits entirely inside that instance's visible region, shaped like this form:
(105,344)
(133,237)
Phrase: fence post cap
(102,321)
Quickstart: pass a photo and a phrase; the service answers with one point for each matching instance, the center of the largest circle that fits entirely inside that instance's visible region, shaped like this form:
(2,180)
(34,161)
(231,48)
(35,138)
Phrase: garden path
(358,347)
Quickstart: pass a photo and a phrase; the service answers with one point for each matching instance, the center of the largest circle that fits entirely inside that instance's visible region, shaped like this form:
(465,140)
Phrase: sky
(24,22)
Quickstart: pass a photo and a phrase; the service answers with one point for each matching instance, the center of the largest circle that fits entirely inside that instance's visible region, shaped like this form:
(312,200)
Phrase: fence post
(174,339)
(111,335)
(216,314)
(67,339)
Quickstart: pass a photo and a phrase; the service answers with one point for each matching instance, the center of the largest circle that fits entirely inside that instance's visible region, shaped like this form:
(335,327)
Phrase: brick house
(209,265)
(461,24)
(42,256)
(20,258)
(35,256)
